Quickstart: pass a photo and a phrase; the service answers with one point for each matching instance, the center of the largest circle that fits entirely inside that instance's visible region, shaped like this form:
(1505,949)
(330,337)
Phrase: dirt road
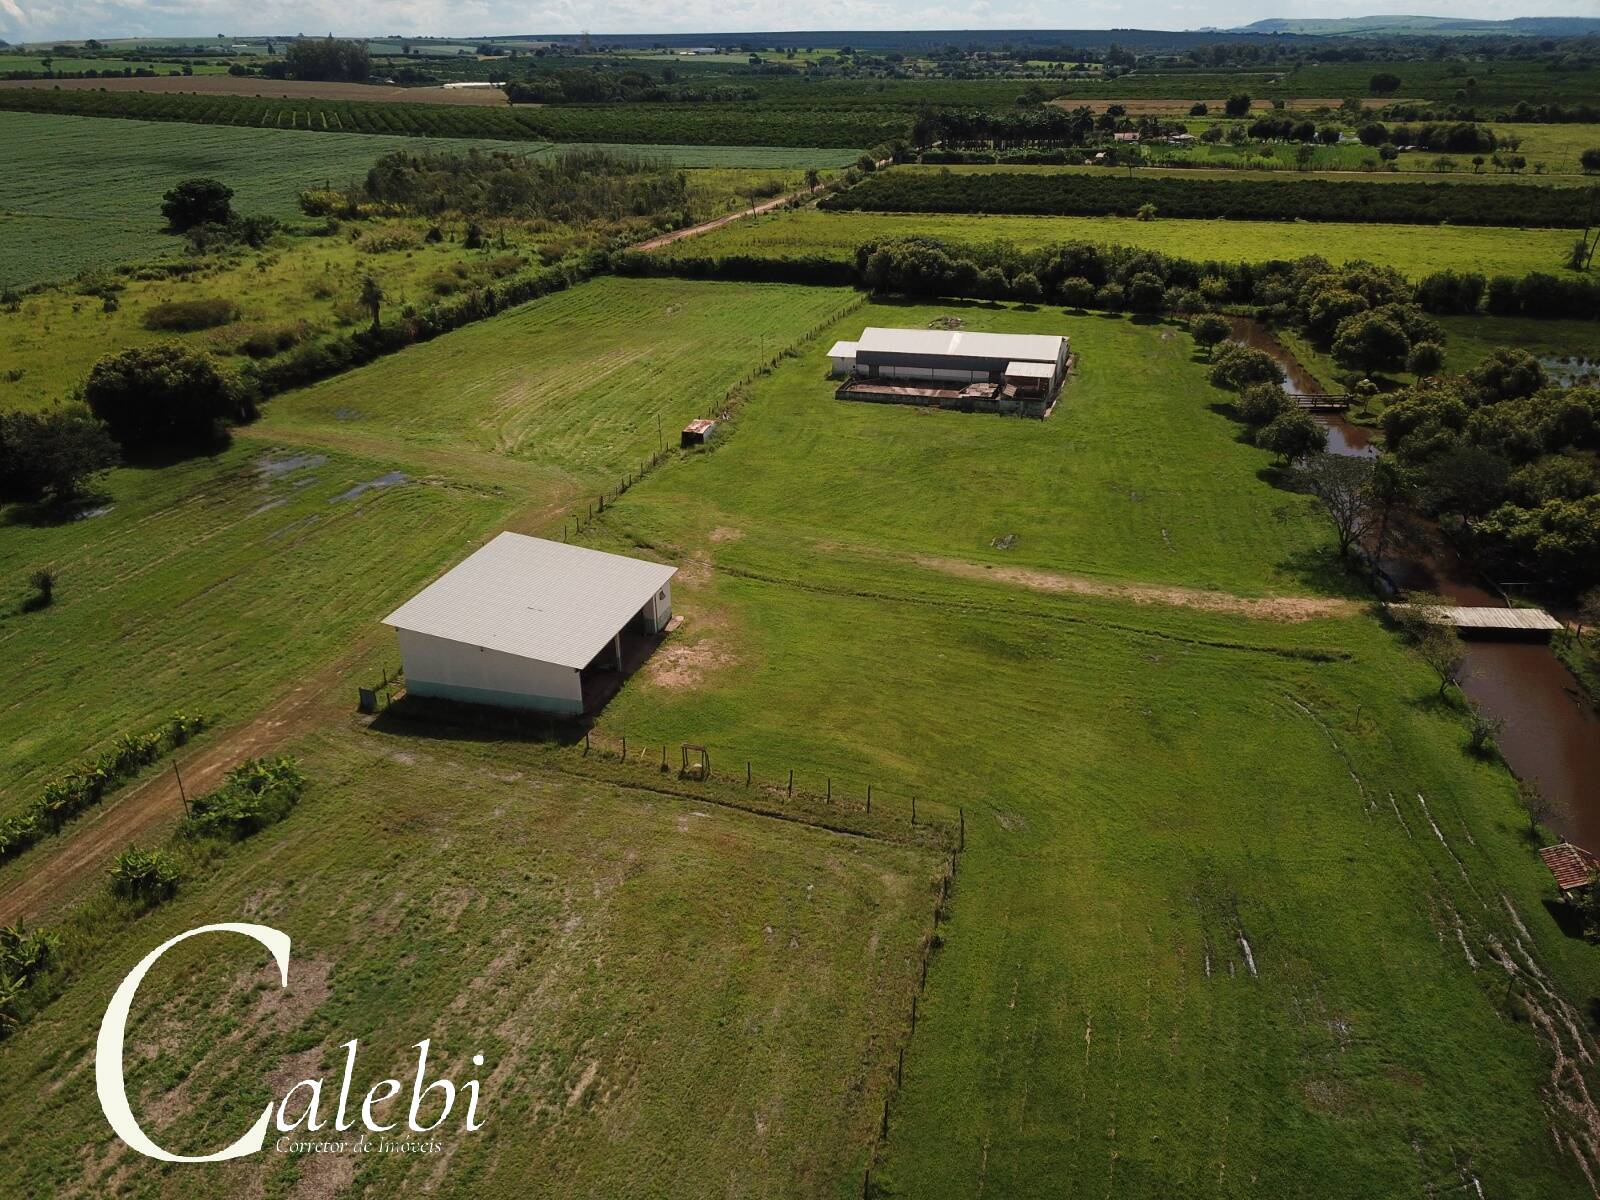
(677,235)
(146,812)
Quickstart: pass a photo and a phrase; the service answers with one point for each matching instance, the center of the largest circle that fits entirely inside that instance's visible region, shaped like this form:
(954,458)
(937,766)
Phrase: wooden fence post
(586,743)
(963,828)
(624,748)
(913,810)
(830,789)
(791,782)
(747,772)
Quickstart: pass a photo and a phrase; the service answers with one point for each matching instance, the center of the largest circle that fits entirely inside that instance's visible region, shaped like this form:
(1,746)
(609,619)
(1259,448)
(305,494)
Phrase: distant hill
(1393,26)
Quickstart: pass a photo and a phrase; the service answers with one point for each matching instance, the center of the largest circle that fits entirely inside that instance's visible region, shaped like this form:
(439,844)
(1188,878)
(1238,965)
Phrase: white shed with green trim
(517,623)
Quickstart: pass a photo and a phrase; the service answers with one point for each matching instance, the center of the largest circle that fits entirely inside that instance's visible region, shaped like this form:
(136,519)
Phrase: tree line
(1262,200)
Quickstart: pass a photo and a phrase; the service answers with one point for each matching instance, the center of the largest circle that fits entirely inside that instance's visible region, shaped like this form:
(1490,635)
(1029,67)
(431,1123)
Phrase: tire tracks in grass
(1567,1097)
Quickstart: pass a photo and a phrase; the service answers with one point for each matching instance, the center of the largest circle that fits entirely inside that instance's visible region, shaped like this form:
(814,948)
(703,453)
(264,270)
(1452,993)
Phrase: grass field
(56,218)
(1234,904)
(1095,1020)
(663,990)
(210,565)
(1416,250)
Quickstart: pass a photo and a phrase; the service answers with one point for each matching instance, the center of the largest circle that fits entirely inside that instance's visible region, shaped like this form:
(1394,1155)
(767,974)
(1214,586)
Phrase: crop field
(568,930)
(652,124)
(56,219)
(38,64)
(210,564)
(1274,170)
(1175,195)
(1498,85)
(285,89)
(1415,249)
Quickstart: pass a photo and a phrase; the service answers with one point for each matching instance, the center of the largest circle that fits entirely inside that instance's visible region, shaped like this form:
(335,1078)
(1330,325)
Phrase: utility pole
(182,795)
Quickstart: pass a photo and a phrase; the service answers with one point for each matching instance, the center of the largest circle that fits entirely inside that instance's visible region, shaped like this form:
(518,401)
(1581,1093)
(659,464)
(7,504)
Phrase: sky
(43,20)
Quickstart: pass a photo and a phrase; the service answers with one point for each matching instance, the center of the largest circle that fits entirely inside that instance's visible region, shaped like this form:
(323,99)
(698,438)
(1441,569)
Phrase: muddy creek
(1550,734)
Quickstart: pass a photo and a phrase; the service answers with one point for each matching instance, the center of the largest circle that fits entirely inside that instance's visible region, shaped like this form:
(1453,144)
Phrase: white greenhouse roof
(957,343)
(842,350)
(534,598)
(1031,370)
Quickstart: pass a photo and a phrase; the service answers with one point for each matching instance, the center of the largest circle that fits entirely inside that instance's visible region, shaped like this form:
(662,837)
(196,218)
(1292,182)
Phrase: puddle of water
(388,479)
(1550,734)
(267,507)
(270,468)
(89,514)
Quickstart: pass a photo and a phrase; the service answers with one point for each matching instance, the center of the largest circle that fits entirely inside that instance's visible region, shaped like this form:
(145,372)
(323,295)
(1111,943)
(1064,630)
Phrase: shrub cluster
(253,795)
(1261,200)
(86,784)
(24,955)
(185,316)
(145,877)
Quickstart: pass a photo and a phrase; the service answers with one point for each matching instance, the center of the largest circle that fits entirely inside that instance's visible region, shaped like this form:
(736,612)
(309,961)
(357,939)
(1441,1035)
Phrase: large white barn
(519,622)
(953,356)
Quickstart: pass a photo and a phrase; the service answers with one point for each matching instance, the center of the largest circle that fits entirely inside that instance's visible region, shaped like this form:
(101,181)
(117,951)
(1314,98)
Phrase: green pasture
(1234,897)
(1415,249)
(214,583)
(1105,487)
(1149,786)
(663,990)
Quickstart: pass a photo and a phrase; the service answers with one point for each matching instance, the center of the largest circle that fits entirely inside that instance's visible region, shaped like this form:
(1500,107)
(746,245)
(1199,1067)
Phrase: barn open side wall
(456,671)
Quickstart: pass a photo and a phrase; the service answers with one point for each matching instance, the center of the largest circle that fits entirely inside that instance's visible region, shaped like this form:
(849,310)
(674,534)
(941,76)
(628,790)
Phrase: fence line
(701,762)
(732,400)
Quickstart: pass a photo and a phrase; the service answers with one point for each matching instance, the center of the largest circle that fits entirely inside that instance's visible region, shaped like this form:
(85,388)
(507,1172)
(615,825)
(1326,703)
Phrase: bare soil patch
(1271,608)
(284,89)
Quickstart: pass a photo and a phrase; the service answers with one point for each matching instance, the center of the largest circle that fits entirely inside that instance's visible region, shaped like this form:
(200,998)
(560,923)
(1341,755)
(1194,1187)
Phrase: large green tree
(162,397)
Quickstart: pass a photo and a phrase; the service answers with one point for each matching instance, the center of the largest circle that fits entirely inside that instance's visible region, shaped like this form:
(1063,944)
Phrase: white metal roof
(957,343)
(842,350)
(535,599)
(1031,370)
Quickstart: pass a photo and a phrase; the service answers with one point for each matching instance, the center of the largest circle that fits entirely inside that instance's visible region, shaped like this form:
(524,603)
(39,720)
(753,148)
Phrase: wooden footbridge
(1486,620)
(1320,403)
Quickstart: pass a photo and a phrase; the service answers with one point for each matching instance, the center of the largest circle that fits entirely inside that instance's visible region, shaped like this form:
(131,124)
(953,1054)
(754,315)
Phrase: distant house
(1125,137)
(529,623)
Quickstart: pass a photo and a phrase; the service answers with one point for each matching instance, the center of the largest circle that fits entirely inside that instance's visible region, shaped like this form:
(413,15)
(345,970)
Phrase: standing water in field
(1550,734)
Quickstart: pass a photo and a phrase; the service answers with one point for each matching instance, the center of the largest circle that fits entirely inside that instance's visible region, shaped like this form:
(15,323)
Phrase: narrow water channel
(1550,734)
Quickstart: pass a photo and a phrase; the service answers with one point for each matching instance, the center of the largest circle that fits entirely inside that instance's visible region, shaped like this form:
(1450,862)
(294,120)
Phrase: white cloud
(41,20)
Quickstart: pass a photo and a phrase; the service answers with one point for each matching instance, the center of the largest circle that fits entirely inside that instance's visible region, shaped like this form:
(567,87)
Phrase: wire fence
(804,784)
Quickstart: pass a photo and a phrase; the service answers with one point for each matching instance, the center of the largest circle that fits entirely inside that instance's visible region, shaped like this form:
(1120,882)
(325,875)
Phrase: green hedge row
(86,784)
(644,124)
(1050,194)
